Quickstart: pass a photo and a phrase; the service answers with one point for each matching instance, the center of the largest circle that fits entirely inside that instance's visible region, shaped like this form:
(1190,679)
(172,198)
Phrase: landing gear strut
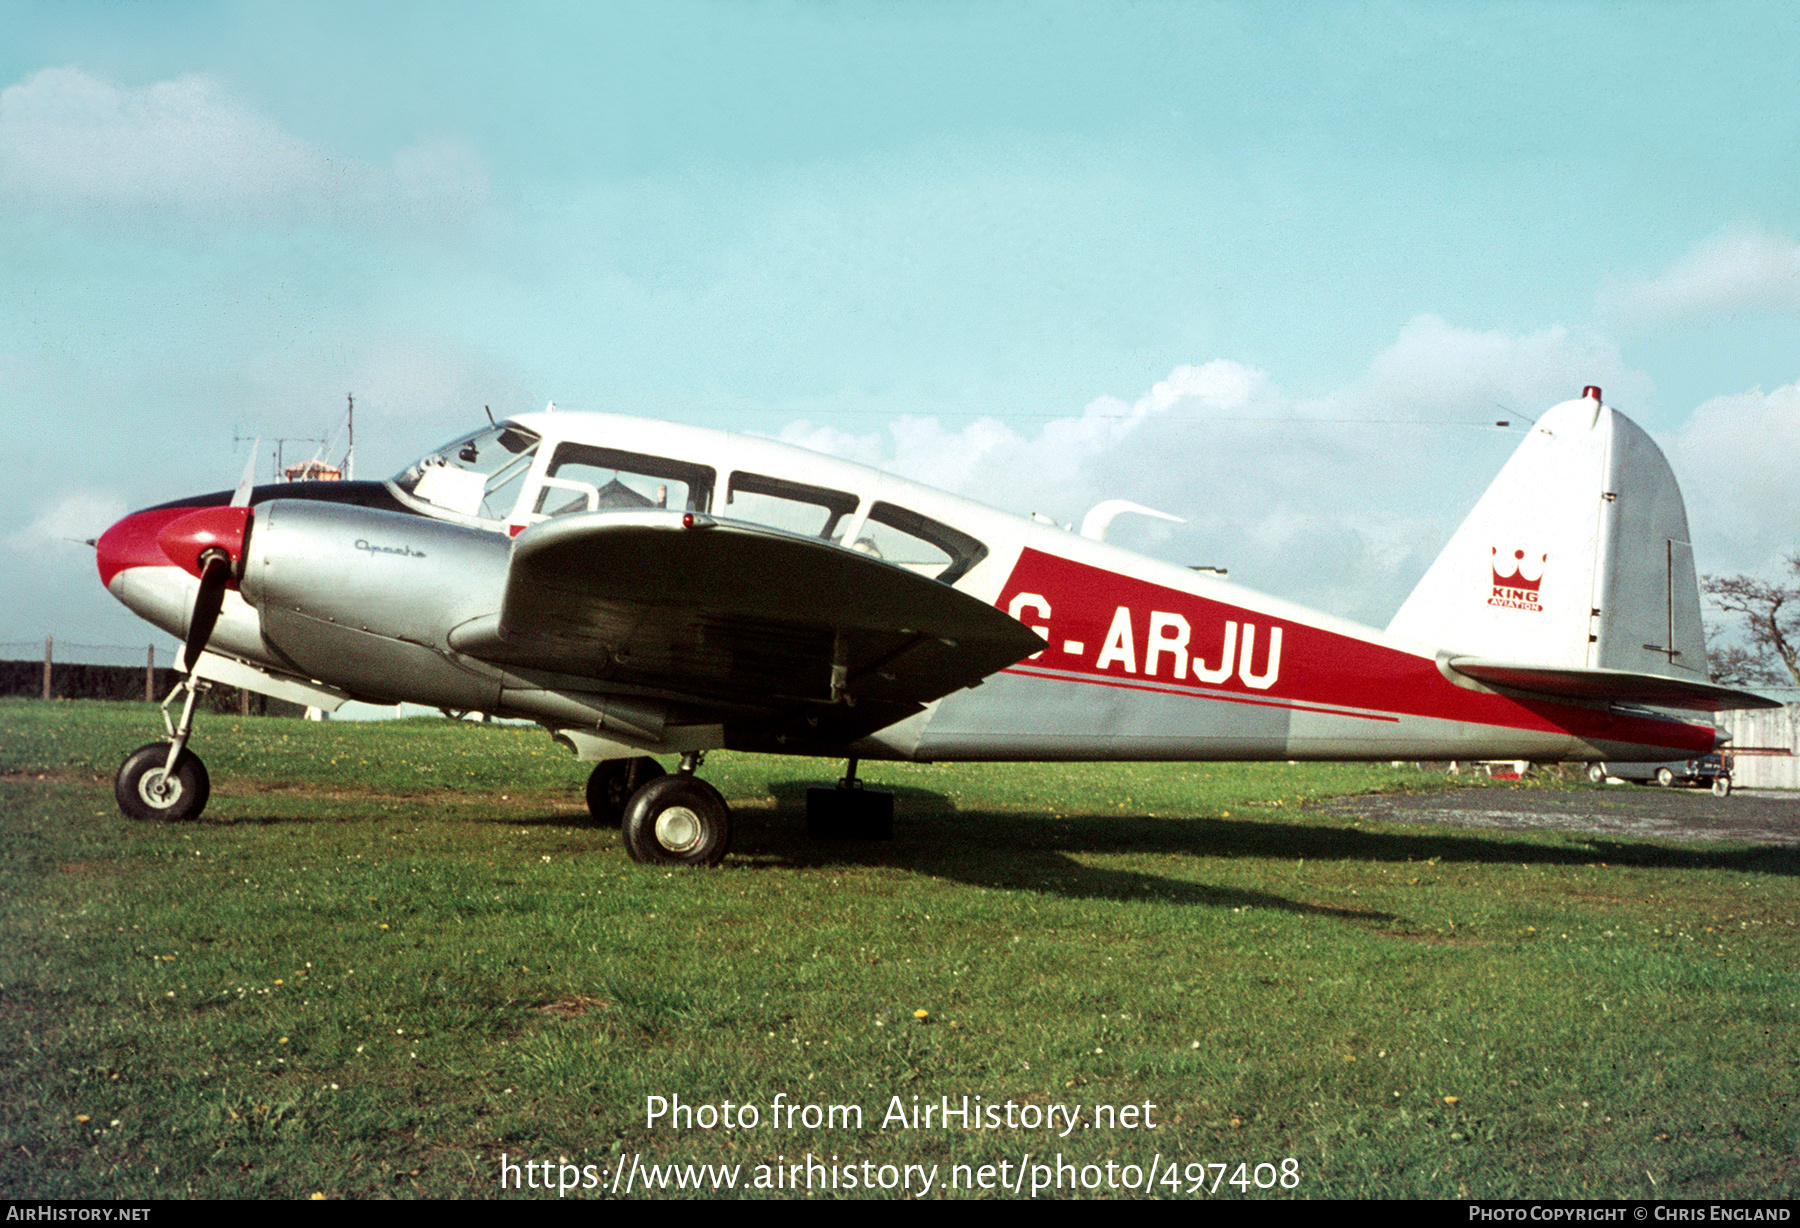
(849,812)
(162,780)
(678,820)
(610,786)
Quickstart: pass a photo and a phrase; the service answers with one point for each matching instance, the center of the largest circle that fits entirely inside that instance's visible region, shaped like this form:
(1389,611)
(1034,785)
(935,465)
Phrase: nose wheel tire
(611,784)
(145,792)
(677,821)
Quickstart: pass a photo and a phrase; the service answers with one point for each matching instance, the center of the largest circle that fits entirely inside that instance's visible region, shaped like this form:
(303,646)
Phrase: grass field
(393,959)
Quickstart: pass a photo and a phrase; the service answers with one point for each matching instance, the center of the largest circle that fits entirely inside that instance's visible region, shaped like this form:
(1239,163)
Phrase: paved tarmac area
(1754,816)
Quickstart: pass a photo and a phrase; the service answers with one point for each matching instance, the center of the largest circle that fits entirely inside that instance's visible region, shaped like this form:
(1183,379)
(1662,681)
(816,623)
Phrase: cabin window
(812,511)
(918,543)
(582,478)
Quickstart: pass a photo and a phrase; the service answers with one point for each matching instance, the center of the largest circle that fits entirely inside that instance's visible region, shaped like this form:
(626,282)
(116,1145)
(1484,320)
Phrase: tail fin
(1574,575)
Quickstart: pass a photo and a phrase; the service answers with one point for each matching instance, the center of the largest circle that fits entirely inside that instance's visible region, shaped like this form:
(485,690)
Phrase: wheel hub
(678,829)
(157,789)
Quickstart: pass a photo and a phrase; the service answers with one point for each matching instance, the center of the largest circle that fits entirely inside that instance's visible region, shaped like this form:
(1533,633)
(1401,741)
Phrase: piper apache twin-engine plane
(642,588)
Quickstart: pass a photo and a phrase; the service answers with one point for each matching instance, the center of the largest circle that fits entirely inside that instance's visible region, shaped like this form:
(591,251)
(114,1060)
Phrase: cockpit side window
(584,478)
(810,510)
(918,543)
(478,475)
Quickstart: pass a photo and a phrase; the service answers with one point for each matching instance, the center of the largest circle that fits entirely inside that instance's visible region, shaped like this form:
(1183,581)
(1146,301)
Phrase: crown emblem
(1517,578)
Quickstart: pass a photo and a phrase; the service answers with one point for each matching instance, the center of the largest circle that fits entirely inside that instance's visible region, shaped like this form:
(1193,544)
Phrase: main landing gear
(677,820)
(164,780)
(680,820)
(611,784)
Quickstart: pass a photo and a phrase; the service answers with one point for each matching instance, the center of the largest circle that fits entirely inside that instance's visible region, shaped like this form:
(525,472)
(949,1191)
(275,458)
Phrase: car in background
(1705,771)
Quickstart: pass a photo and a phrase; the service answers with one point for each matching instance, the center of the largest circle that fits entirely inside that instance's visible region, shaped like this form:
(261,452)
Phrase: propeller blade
(241,496)
(207,604)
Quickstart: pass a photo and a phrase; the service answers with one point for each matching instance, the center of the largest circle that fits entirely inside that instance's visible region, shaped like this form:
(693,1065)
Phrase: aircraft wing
(1615,685)
(729,616)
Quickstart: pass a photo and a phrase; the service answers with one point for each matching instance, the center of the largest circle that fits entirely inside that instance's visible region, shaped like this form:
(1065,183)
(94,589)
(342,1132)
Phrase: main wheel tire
(1721,786)
(677,821)
(1596,774)
(145,793)
(1665,777)
(611,784)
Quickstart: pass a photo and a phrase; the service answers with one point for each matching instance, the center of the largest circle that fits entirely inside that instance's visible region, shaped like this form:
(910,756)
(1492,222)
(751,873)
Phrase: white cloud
(1738,460)
(67,136)
(1340,501)
(441,170)
(75,518)
(1740,269)
(987,456)
(1437,371)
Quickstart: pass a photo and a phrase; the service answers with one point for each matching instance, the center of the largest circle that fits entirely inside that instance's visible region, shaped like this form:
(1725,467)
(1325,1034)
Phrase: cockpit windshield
(478,475)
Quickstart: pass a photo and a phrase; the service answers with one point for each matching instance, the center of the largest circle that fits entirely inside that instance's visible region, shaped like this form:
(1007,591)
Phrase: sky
(1277,269)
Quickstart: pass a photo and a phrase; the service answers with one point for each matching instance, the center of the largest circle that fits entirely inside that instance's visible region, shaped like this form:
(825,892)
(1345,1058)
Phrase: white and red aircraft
(643,588)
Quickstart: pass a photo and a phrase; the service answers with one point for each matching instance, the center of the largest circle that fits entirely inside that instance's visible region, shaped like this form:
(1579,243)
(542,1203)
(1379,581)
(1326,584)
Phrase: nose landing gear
(163,780)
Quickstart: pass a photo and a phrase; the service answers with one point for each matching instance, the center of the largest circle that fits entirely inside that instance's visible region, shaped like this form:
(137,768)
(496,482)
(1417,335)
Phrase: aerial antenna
(490,414)
(1515,414)
(279,452)
(343,472)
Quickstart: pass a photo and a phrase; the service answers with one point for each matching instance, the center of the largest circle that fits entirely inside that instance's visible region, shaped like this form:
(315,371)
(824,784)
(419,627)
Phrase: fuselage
(367,589)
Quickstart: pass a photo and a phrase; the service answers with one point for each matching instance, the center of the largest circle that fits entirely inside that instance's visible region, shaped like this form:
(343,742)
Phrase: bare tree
(1770,652)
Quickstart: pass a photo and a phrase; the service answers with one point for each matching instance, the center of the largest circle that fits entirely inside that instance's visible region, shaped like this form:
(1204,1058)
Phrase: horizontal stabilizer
(1611,685)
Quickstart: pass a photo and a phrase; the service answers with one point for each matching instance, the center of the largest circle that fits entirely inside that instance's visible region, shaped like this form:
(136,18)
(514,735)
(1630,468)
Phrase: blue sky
(1264,266)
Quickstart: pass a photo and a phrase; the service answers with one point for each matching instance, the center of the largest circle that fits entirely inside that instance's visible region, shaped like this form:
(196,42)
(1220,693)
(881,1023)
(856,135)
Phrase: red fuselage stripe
(1113,629)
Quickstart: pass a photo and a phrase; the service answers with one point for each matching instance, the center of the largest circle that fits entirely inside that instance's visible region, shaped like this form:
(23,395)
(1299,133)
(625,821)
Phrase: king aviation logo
(1517,577)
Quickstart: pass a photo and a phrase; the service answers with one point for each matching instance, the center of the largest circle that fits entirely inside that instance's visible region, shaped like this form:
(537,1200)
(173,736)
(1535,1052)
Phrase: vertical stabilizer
(1576,557)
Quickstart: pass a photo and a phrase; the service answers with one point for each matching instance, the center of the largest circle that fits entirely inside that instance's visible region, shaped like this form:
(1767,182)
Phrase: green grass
(390,954)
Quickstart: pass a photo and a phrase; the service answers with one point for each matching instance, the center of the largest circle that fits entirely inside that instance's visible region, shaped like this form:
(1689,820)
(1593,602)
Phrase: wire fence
(75,670)
(78,670)
(160,654)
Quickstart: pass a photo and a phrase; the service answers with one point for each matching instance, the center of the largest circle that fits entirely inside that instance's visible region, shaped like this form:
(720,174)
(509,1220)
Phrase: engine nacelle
(365,599)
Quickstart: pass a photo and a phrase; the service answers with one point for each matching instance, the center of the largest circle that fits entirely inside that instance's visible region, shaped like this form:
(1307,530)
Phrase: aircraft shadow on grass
(1039,851)
(1036,851)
